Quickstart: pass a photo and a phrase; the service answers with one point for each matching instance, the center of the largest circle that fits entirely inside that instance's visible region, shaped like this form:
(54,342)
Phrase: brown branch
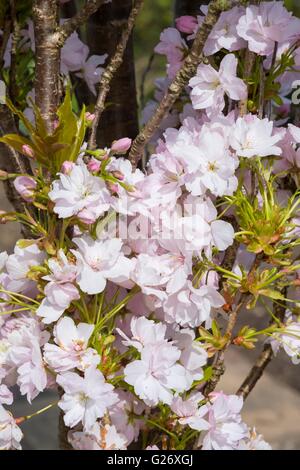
(256,372)
(47,69)
(69,26)
(186,72)
(111,69)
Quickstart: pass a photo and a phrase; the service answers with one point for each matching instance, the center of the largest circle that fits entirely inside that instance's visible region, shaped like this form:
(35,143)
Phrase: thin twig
(69,26)
(143,79)
(261,106)
(111,69)
(181,79)
(256,372)
(249,64)
(240,300)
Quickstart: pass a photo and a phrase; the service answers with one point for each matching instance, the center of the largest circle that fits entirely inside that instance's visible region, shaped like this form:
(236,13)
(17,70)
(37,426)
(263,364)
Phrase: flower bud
(113,187)
(186,24)
(121,145)
(67,167)
(28,151)
(3,175)
(89,117)
(25,186)
(118,174)
(94,165)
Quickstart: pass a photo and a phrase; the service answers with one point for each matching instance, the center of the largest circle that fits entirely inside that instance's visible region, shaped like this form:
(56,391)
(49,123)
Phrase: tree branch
(256,372)
(182,78)
(69,26)
(45,18)
(111,69)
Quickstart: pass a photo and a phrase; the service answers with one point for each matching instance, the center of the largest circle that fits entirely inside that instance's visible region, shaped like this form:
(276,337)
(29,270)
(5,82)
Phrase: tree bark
(47,69)
(120,118)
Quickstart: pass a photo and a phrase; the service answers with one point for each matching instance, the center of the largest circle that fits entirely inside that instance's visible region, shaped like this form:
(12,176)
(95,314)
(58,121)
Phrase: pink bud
(67,167)
(121,145)
(25,186)
(89,117)
(86,217)
(94,165)
(28,151)
(118,174)
(113,187)
(186,24)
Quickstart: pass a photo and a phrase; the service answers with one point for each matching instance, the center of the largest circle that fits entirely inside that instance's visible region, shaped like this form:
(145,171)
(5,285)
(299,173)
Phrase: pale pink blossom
(174,47)
(121,415)
(10,433)
(60,291)
(193,355)
(18,265)
(157,374)
(191,306)
(209,85)
(91,71)
(6,396)
(99,261)
(252,137)
(144,333)
(71,349)
(265,24)
(224,34)
(86,398)
(79,190)
(225,427)
(99,437)
(288,339)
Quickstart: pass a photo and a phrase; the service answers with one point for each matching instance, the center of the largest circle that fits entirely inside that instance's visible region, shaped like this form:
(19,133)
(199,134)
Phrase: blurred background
(274,405)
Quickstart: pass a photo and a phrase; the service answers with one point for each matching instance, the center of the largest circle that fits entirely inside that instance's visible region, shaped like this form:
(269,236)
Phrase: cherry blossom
(60,291)
(18,265)
(265,24)
(72,349)
(77,191)
(86,398)
(252,137)
(98,261)
(225,427)
(173,46)
(192,306)
(10,433)
(99,437)
(157,373)
(224,33)
(210,85)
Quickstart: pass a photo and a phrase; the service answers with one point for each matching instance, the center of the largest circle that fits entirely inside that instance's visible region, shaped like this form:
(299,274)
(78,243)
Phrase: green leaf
(273,294)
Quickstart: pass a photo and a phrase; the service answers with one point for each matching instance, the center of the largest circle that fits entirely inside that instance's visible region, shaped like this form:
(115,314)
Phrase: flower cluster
(117,298)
